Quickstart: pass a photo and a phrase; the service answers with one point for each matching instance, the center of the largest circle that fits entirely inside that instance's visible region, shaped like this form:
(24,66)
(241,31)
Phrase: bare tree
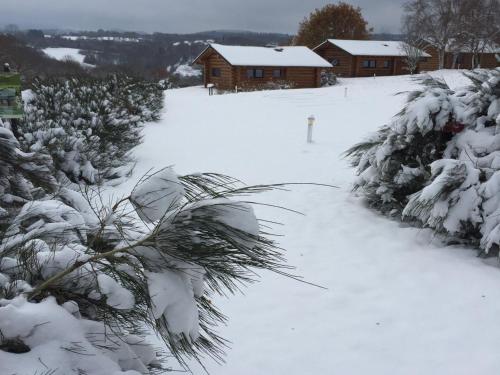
(11,29)
(433,21)
(480,27)
(412,47)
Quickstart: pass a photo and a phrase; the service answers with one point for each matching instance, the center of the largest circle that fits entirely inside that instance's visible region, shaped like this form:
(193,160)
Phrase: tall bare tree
(412,46)
(433,21)
(479,27)
(454,25)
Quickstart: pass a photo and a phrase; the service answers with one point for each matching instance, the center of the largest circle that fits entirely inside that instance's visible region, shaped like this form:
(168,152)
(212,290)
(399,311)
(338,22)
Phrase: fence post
(310,124)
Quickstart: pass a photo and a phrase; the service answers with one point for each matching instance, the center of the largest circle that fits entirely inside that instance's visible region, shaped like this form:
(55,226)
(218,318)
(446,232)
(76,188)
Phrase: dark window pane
(259,73)
(216,72)
(250,73)
(277,73)
(335,62)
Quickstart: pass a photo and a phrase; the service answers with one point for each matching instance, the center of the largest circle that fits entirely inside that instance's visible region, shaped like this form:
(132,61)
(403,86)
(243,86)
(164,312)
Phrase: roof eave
(194,62)
(321,44)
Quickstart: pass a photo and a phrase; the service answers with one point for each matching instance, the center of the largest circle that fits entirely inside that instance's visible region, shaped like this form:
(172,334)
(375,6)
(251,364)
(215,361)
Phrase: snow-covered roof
(371,47)
(269,56)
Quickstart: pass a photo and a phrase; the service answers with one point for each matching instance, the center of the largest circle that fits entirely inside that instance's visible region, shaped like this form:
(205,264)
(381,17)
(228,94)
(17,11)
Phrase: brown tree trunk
(441,55)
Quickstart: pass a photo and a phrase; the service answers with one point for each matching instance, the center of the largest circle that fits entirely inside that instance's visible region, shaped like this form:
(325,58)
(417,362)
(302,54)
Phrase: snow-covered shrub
(89,125)
(23,176)
(270,85)
(328,79)
(83,284)
(438,162)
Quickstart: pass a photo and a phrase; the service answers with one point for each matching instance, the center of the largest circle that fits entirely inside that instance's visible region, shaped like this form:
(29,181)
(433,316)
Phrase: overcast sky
(184,16)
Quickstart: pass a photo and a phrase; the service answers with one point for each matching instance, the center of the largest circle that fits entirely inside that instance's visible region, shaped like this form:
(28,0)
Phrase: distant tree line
(146,55)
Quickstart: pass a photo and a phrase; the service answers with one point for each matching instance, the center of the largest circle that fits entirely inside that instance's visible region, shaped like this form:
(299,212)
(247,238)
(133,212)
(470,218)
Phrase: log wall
(345,61)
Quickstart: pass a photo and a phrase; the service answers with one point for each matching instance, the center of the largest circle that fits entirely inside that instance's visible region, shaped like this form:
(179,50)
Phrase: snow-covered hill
(397,302)
(61,53)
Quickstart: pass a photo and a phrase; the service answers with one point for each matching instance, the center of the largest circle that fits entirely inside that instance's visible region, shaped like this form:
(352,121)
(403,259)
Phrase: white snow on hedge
(64,342)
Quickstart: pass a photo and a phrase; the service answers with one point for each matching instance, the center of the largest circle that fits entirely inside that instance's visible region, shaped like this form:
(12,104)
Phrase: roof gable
(264,56)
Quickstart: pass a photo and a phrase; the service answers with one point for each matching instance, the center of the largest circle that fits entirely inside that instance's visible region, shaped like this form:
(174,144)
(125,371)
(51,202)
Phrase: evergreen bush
(437,164)
(89,125)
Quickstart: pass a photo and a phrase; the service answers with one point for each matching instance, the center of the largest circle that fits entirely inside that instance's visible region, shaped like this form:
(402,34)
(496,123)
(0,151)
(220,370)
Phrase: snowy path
(396,303)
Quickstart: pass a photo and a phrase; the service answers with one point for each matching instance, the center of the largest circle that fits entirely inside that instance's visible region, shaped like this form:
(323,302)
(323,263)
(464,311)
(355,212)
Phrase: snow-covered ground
(61,53)
(397,302)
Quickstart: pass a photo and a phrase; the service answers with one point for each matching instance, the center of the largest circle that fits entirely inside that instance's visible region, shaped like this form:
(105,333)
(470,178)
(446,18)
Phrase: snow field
(397,302)
(61,53)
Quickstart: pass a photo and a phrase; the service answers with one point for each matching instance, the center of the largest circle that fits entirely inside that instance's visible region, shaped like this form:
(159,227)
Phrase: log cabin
(463,58)
(363,58)
(245,67)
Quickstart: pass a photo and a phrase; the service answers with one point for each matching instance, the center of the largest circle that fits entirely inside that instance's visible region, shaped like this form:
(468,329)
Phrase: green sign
(11,105)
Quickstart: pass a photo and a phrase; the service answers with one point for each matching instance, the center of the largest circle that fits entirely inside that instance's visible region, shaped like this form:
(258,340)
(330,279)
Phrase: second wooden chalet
(228,67)
(363,58)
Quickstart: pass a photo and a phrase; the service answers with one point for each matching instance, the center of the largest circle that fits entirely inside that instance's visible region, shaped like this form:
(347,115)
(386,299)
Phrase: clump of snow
(63,342)
(157,194)
(185,70)
(116,295)
(173,298)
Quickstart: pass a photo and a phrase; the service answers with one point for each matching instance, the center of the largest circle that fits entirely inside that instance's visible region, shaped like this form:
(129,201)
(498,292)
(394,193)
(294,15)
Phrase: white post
(310,124)
(345,92)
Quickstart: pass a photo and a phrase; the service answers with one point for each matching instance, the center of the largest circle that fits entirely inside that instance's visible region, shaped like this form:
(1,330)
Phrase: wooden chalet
(228,67)
(363,58)
(462,58)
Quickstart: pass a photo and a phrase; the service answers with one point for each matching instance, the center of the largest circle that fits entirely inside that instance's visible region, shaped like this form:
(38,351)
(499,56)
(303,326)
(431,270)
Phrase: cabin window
(387,64)
(369,63)
(255,73)
(277,73)
(216,72)
(335,62)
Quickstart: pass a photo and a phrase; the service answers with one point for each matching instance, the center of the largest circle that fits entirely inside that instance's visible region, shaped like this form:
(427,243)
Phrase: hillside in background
(151,56)
(32,62)
(154,56)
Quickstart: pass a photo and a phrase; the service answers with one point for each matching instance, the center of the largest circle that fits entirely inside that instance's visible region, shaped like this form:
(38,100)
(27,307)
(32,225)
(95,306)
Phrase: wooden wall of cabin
(300,77)
(464,61)
(304,77)
(345,61)
(226,80)
(429,63)
(487,60)
(396,66)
